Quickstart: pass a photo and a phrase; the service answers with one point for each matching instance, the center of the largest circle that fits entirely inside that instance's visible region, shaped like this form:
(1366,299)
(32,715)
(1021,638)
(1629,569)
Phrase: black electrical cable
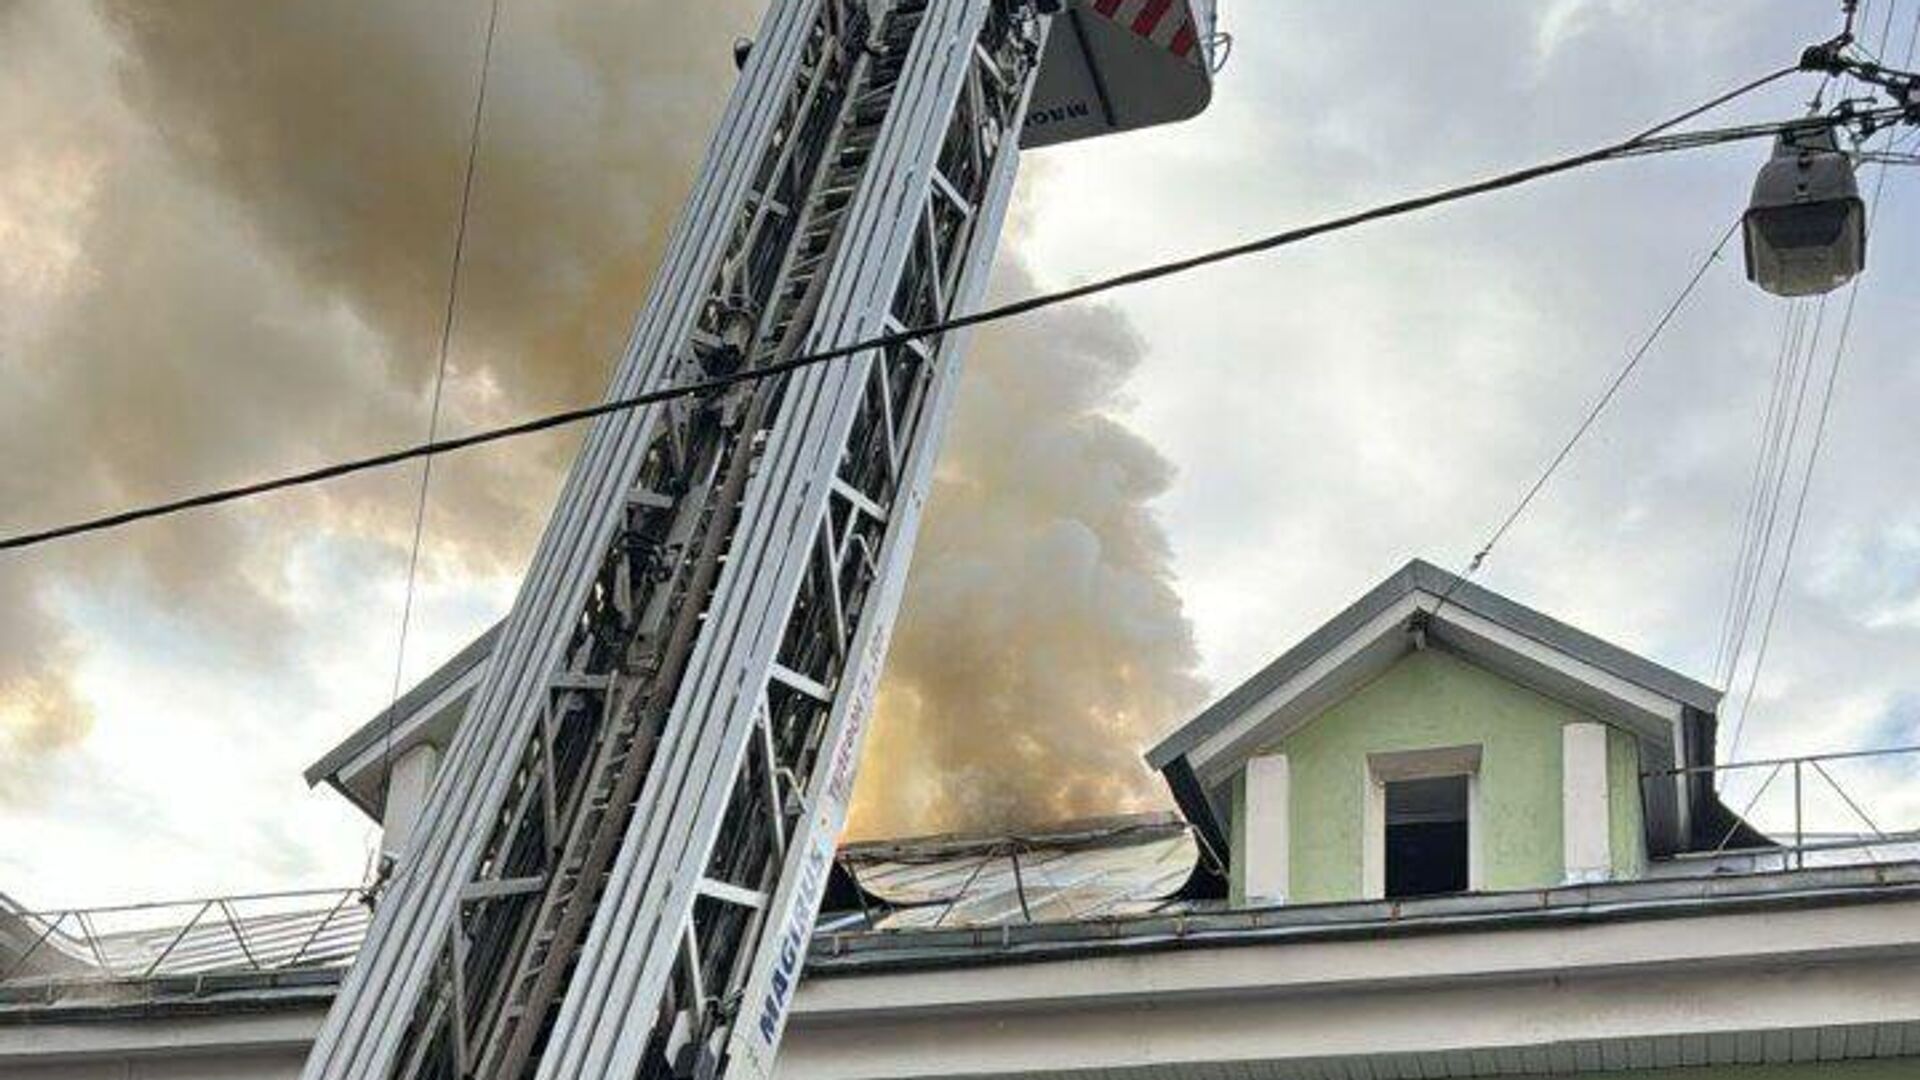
(1643,143)
(1756,489)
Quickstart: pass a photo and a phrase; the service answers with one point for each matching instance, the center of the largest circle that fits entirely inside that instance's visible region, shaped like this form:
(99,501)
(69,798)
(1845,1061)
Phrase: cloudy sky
(223,246)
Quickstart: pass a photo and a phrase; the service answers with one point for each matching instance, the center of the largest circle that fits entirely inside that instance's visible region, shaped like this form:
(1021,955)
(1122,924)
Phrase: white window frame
(1424,764)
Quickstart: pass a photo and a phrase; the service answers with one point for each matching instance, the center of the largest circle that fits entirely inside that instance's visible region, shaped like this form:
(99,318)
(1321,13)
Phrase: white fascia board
(1228,738)
(1647,711)
(408,730)
(1765,937)
(1760,1013)
(1656,707)
(238,1032)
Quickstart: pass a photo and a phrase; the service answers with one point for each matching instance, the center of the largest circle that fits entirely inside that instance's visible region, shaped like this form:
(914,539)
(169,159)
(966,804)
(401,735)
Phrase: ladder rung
(733,894)
(917,345)
(990,64)
(774,205)
(475,891)
(859,499)
(577,680)
(946,188)
(793,680)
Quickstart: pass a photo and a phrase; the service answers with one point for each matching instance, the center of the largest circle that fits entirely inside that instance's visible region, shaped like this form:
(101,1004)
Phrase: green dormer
(1436,737)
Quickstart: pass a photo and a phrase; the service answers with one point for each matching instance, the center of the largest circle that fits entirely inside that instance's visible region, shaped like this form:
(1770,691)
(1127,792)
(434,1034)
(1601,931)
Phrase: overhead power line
(1779,450)
(1820,427)
(1646,142)
(1764,487)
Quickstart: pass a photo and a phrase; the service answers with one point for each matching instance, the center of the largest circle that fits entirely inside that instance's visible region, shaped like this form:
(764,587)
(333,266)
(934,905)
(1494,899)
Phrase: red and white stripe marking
(1166,23)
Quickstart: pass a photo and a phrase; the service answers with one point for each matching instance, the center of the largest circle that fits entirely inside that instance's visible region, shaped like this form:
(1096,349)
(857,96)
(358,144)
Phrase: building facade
(1445,836)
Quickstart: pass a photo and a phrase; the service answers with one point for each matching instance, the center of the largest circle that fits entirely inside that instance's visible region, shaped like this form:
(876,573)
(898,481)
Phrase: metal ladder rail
(670,794)
(924,409)
(656,799)
(363,1030)
(565,890)
(607,828)
(724,743)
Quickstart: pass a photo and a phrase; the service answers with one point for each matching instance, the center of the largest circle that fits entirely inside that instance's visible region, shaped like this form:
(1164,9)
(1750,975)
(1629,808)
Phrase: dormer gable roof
(1422,606)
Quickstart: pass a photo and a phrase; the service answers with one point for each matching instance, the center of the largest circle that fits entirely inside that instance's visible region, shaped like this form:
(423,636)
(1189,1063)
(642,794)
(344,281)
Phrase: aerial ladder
(619,864)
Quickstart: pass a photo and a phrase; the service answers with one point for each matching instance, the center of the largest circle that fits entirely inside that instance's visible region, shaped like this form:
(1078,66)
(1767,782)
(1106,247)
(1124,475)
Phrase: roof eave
(1419,576)
(333,763)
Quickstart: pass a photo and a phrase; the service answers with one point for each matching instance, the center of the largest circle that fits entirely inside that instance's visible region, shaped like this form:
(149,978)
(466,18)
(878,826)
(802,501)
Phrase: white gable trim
(1383,639)
(409,728)
(1654,705)
(1376,630)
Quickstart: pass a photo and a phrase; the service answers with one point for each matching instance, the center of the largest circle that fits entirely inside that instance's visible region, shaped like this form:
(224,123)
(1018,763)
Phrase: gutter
(858,953)
(181,996)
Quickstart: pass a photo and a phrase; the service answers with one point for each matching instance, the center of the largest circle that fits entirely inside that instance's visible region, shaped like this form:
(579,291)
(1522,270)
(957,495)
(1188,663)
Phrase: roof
(1422,606)
(283,977)
(276,947)
(862,951)
(1417,577)
(1074,872)
(429,712)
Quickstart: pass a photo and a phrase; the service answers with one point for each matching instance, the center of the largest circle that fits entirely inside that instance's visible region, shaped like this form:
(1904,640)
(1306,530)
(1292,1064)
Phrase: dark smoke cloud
(226,236)
(225,229)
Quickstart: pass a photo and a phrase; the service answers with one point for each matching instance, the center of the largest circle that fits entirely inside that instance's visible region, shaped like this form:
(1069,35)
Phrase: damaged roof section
(278,947)
(1078,871)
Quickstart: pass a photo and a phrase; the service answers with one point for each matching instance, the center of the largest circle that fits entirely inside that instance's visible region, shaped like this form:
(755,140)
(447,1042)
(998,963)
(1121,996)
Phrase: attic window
(1426,844)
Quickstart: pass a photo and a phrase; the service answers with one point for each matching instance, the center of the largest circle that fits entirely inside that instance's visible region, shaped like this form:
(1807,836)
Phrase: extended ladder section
(619,866)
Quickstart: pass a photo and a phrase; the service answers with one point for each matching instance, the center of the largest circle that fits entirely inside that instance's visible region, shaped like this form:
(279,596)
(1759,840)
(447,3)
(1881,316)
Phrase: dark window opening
(1426,848)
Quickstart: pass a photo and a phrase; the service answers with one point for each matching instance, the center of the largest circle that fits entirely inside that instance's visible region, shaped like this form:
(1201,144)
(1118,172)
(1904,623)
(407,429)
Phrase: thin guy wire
(439,386)
(1593,415)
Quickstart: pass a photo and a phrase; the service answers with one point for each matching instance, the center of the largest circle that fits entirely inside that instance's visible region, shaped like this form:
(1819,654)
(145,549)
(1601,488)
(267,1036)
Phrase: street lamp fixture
(1806,228)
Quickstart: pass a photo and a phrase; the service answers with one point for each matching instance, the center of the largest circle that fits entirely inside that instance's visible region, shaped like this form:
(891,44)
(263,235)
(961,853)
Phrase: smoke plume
(225,230)
(1041,644)
(225,233)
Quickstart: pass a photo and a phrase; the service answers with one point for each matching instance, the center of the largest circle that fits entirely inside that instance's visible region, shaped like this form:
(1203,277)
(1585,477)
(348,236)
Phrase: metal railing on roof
(1808,806)
(252,933)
